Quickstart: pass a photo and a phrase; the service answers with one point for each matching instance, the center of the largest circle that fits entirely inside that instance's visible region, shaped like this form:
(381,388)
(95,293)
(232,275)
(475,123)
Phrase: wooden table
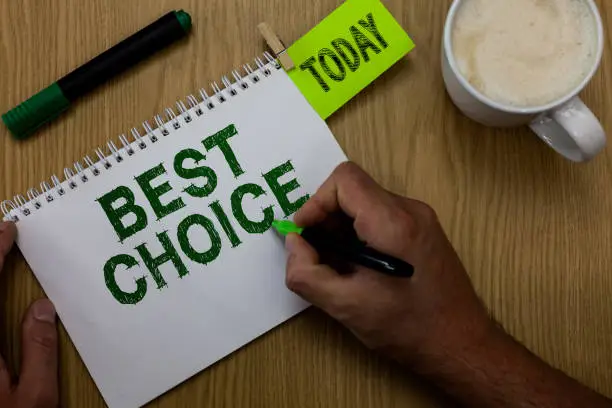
(534,230)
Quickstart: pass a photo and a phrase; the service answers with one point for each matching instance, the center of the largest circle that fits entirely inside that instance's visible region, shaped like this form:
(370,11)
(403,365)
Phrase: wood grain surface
(534,230)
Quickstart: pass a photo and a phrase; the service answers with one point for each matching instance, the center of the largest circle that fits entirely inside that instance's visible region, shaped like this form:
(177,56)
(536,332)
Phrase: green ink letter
(115,215)
(169,254)
(215,241)
(370,25)
(154,193)
(220,139)
(250,226)
(354,62)
(198,171)
(281,190)
(336,76)
(126,298)
(308,65)
(225,223)
(363,43)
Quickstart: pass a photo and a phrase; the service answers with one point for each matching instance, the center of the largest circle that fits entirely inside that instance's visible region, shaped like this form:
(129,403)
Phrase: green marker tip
(286,227)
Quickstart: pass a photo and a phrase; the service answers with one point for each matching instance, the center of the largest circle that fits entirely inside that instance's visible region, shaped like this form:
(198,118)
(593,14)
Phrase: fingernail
(290,242)
(44,311)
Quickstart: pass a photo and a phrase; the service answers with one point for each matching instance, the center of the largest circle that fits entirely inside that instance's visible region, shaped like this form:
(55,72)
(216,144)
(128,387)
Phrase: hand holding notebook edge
(38,380)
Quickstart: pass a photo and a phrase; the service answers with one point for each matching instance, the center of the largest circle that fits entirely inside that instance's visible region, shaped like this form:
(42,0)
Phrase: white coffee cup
(567,124)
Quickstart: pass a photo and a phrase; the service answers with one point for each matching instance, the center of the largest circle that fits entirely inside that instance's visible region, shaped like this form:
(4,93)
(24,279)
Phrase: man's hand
(432,322)
(38,385)
(434,313)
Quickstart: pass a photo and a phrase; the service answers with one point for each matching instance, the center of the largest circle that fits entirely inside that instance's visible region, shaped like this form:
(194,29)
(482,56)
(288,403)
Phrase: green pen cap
(286,227)
(184,19)
(31,114)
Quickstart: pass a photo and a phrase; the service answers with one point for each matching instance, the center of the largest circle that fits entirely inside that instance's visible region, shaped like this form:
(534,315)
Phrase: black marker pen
(49,103)
(350,251)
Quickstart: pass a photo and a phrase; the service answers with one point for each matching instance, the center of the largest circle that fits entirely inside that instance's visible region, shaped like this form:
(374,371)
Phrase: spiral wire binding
(189,110)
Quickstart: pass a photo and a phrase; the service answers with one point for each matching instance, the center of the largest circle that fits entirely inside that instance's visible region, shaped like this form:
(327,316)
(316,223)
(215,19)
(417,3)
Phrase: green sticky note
(344,53)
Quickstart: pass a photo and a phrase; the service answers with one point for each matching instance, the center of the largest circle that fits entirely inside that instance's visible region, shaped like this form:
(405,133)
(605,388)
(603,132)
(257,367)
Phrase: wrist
(491,369)
(459,348)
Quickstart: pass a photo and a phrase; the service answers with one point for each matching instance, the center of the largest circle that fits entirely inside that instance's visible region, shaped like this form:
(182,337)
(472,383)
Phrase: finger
(318,284)
(38,382)
(349,189)
(5,378)
(7,237)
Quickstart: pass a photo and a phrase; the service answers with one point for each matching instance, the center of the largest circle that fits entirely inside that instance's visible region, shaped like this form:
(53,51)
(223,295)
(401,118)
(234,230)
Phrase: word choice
(128,217)
(346,54)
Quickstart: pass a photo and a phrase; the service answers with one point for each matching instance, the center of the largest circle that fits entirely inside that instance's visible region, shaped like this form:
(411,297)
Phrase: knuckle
(366,226)
(406,222)
(350,309)
(427,212)
(340,309)
(44,399)
(344,167)
(294,281)
(404,226)
(38,397)
(419,211)
(289,280)
(44,341)
(348,169)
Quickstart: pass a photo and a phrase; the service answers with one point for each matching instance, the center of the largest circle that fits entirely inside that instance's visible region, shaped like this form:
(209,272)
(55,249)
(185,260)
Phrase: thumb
(316,283)
(7,237)
(38,383)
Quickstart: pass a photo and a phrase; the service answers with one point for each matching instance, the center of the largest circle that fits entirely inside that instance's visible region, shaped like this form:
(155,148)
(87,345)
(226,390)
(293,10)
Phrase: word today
(346,54)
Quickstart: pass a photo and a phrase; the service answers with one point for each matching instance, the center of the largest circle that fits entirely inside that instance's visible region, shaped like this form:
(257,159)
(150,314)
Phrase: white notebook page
(137,351)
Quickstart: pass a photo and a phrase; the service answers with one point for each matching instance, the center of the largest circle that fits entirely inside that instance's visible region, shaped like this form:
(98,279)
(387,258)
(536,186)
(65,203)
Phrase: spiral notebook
(157,253)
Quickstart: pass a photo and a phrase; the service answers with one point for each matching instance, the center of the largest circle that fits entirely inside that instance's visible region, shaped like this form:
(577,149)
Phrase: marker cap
(184,19)
(31,114)
(286,227)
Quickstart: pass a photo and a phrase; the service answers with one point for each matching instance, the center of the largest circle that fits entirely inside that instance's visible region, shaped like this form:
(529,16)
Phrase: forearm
(496,371)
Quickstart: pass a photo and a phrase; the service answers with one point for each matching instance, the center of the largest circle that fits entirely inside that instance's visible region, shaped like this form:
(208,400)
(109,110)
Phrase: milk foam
(525,53)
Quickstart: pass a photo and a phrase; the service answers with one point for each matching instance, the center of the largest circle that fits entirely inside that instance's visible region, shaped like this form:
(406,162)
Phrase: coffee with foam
(525,53)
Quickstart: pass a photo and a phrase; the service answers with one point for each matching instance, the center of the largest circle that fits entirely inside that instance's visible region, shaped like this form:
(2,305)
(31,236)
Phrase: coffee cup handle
(572,130)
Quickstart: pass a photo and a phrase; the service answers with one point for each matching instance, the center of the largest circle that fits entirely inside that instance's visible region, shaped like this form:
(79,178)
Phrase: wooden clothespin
(277,46)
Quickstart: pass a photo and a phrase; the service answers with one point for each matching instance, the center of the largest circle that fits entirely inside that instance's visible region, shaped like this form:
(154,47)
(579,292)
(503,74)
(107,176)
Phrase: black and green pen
(348,250)
(49,103)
